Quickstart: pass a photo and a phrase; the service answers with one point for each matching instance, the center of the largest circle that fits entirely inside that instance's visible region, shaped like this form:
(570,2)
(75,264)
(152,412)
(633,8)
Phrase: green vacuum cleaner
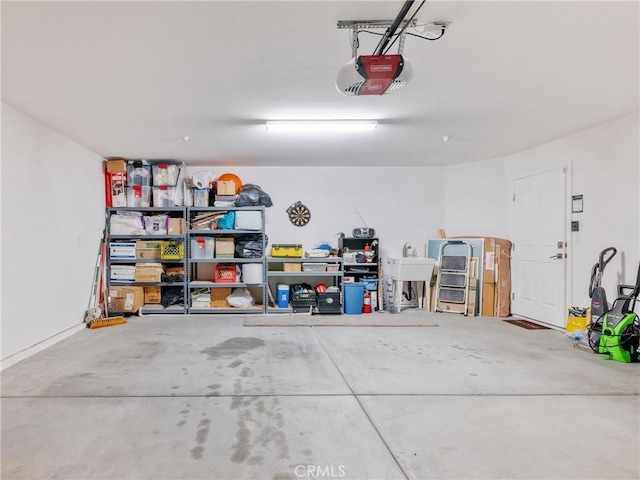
(619,327)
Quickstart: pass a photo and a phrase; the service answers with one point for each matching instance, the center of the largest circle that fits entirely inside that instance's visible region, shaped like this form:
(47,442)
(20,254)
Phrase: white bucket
(252,273)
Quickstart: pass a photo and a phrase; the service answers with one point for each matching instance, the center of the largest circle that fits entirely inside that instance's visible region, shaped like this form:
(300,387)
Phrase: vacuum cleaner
(619,328)
(597,293)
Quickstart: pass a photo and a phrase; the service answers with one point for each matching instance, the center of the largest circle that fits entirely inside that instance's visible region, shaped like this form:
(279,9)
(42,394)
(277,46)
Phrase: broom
(94,315)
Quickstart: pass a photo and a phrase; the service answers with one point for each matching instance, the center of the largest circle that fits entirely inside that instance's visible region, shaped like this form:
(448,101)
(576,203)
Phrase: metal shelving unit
(296,277)
(173,212)
(358,266)
(193,283)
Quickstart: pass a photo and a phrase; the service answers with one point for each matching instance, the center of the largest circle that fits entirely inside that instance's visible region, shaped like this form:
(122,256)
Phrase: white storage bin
(202,247)
(164,196)
(165,174)
(248,220)
(314,267)
(138,196)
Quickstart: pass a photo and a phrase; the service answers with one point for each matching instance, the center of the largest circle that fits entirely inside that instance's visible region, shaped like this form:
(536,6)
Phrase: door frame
(568,190)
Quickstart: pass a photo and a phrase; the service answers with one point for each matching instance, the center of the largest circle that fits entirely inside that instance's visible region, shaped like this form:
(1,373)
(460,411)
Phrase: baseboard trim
(38,347)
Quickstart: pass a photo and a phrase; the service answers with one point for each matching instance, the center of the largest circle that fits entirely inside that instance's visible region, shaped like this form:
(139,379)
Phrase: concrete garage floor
(202,397)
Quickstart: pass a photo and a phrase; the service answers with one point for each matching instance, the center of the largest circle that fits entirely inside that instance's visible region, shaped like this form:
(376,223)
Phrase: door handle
(557,256)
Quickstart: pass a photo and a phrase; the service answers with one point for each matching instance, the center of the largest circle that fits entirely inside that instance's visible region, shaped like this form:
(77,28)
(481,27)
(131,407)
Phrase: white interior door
(539,255)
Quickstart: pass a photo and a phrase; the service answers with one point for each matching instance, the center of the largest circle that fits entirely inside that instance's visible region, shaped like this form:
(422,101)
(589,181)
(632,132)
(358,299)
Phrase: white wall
(401,204)
(52,221)
(604,164)
(50,241)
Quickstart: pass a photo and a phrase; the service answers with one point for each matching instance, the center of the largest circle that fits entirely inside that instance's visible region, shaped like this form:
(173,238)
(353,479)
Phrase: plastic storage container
(202,247)
(353,298)
(369,283)
(165,174)
(283,295)
(314,267)
(200,197)
(329,302)
(164,196)
(248,220)
(138,196)
(138,174)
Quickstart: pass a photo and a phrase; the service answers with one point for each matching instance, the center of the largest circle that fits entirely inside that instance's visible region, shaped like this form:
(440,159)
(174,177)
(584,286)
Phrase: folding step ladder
(452,283)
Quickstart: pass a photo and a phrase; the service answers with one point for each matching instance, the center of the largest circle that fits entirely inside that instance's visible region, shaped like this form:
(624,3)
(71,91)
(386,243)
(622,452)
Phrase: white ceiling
(132,79)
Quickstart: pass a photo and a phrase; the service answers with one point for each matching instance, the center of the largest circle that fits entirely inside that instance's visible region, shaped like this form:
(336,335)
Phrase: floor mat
(368,320)
(527,324)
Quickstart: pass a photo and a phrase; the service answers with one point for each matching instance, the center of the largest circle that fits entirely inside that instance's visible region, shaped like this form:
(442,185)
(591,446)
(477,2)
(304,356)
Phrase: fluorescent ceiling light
(320,125)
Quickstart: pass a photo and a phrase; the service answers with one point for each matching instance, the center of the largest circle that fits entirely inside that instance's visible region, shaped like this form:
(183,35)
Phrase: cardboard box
(225,187)
(115,189)
(116,166)
(175,226)
(126,299)
(488,299)
(219,297)
(122,250)
(152,295)
(174,270)
(225,247)
(122,273)
(200,298)
(148,249)
(292,267)
(205,271)
(149,272)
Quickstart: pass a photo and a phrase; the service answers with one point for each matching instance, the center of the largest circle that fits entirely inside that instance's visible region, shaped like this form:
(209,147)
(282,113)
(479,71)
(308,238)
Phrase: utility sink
(411,269)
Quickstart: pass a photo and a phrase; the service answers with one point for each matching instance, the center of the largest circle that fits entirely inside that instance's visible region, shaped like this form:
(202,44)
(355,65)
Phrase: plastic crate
(329,302)
(225,273)
(303,297)
(171,250)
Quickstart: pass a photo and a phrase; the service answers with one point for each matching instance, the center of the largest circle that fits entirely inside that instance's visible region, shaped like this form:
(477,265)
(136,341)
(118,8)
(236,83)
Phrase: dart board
(299,215)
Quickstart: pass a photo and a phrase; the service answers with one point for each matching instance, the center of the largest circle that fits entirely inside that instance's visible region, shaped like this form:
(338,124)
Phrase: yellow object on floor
(576,323)
(106,322)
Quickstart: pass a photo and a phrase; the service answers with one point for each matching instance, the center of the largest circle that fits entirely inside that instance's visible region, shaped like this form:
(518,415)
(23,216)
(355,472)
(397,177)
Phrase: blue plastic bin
(369,284)
(353,298)
(283,295)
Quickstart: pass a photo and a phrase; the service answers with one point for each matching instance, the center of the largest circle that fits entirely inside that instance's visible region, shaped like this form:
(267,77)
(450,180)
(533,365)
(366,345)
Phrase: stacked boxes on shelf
(140,184)
(226,257)
(146,252)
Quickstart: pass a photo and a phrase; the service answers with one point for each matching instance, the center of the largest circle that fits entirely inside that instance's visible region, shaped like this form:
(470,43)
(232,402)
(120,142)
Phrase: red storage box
(225,273)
